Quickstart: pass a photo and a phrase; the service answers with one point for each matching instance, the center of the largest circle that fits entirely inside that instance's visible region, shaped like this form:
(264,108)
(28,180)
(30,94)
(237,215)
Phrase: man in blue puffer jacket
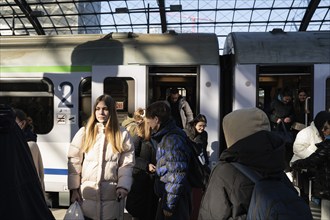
(171,185)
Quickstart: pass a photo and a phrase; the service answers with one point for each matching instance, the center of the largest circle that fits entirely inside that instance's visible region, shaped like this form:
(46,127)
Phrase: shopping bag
(284,134)
(74,212)
(288,140)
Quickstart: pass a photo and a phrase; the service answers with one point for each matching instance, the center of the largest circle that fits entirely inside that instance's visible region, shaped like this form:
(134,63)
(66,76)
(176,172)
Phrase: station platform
(59,213)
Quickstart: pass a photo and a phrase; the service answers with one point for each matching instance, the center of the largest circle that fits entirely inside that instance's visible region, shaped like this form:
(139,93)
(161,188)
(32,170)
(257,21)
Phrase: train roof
(112,49)
(279,47)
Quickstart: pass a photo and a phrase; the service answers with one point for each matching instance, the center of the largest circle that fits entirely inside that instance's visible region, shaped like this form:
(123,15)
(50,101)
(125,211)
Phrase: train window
(121,90)
(327,104)
(34,96)
(85,107)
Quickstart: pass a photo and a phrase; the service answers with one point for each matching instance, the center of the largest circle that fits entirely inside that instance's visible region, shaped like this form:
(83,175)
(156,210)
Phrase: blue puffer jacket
(172,164)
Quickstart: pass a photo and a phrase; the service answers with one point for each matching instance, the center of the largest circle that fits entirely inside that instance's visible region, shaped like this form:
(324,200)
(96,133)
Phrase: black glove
(296,165)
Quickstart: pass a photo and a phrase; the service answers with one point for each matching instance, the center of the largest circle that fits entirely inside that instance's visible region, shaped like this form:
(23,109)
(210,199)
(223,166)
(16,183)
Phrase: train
(55,80)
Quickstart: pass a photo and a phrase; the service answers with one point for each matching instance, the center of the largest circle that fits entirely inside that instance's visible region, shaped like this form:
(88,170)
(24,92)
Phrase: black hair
(199,118)
(301,90)
(159,109)
(174,91)
(20,114)
(320,119)
(286,92)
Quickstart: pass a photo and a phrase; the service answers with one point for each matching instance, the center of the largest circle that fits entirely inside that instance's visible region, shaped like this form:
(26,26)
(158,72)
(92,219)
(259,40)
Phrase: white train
(56,78)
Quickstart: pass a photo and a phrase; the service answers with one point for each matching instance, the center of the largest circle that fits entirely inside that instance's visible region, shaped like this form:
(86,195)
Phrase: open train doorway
(162,79)
(273,79)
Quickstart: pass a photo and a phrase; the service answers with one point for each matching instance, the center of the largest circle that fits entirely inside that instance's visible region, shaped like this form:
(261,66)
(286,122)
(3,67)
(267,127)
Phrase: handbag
(74,212)
(288,140)
(284,134)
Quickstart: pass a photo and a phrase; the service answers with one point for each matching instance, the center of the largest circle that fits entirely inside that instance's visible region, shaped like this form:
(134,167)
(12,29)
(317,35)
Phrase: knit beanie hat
(242,123)
(321,118)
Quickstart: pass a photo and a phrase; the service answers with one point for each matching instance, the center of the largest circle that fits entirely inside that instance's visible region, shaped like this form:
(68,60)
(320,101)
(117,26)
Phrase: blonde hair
(143,128)
(112,128)
(139,115)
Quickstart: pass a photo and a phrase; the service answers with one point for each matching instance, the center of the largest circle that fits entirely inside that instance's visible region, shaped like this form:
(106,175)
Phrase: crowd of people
(143,162)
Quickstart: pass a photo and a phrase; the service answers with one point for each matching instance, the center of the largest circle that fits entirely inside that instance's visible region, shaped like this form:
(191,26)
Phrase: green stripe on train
(46,69)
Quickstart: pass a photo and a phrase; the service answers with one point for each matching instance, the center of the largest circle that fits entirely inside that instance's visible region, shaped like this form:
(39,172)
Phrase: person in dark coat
(251,143)
(141,201)
(171,185)
(196,133)
(21,192)
(281,109)
(31,138)
(281,118)
(180,108)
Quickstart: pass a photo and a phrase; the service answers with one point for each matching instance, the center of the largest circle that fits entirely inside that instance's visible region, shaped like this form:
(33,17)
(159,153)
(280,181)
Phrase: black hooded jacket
(20,189)
(229,191)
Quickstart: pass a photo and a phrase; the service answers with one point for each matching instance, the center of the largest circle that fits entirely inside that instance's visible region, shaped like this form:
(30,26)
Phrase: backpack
(273,199)
(198,171)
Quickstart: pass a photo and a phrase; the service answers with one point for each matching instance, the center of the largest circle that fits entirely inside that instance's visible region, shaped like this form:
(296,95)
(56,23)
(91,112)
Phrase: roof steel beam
(312,6)
(161,5)
(26,9)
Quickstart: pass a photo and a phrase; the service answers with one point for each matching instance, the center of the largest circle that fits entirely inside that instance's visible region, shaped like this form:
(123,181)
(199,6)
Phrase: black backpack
(199,171)
(273,199)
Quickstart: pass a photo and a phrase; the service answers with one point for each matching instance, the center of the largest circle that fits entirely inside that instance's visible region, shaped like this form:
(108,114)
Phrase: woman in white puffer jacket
(304,144)
(100,163)
(303,147)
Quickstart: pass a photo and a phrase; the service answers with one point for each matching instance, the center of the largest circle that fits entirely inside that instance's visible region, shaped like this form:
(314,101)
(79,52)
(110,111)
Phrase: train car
(258,65)
(55,79)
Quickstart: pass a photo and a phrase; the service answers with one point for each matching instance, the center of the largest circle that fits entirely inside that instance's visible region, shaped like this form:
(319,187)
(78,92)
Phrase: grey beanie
(242,123)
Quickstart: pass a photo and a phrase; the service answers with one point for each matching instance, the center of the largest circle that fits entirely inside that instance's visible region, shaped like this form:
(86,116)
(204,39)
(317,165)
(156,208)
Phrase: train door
(200,87)
(126,84)
(162,79)
(272,79)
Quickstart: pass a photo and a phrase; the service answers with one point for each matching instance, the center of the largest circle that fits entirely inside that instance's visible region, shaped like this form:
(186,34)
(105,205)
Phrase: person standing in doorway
(180,108)
(300,111)
(282,109)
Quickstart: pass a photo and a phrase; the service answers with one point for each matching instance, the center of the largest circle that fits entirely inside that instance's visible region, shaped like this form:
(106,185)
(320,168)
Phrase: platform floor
(59,214)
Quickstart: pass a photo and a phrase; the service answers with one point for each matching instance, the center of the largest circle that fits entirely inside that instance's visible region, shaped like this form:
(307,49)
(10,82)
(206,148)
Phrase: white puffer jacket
(304,144)
(37,159)
(99,173)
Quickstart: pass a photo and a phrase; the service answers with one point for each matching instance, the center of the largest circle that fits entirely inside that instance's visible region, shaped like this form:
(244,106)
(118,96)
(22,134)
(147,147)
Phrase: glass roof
(58,17)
